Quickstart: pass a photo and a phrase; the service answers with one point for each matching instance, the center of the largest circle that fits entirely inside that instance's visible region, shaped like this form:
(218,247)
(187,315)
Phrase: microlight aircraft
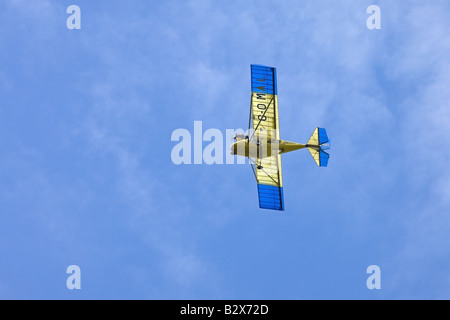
(263,146)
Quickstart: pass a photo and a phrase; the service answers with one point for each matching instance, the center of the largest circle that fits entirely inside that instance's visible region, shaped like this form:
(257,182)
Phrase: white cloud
(420,64)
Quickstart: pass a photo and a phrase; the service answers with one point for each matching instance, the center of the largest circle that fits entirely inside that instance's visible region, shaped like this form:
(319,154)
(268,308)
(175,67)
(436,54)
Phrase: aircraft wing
(264,117)
(264,102)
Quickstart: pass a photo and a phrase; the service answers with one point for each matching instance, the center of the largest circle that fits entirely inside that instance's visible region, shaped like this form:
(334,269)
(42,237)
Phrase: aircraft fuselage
(263,149)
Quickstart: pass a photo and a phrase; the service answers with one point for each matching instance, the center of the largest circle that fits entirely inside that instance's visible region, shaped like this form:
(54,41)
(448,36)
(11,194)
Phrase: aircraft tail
(317,144)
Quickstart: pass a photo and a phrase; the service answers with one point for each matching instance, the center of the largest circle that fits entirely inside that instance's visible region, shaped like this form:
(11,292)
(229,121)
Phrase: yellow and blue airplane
(263,146)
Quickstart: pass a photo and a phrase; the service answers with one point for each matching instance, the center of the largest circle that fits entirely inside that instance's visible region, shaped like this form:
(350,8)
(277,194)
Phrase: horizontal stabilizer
(317,143)
(323,138)
(323,157)
(319,156)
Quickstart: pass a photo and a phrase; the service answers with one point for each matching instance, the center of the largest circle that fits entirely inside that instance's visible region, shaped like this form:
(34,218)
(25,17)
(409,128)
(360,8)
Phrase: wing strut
(262,169)
(250,117)
(253,169)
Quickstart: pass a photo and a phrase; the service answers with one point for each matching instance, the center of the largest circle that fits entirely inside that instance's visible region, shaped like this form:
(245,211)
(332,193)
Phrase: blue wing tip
(270,197)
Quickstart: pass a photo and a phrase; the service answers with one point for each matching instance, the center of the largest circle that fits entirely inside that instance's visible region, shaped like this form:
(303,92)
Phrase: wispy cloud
(116,89)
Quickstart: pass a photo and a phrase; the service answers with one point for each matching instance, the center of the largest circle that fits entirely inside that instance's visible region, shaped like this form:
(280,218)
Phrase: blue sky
(86,177)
